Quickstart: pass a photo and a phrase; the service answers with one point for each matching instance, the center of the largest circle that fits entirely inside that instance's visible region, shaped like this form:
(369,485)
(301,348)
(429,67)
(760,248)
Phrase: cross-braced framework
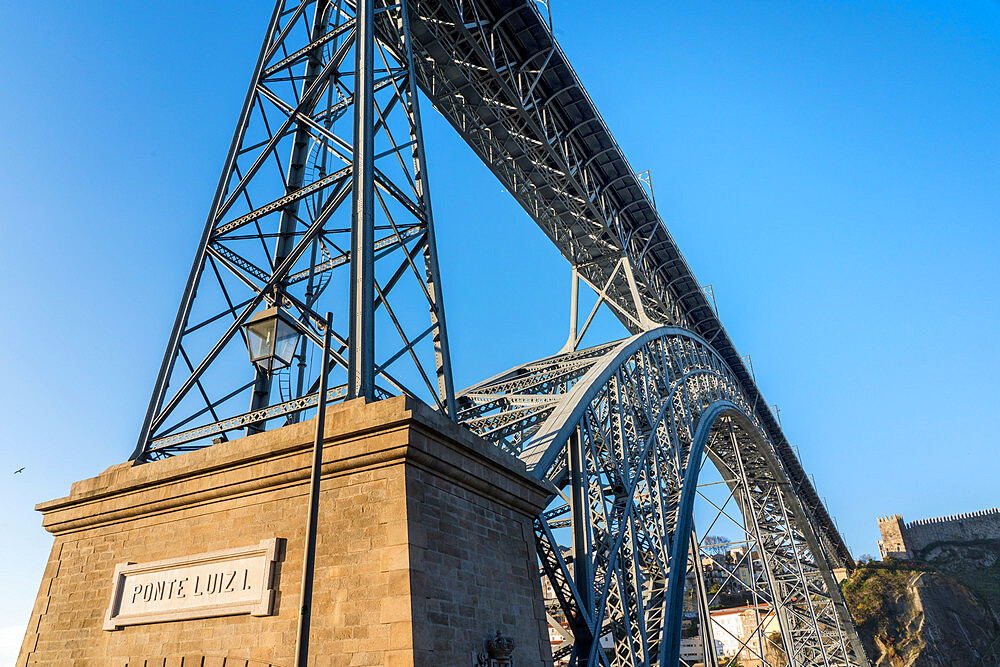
(495,71)
(323,203)
(623,431)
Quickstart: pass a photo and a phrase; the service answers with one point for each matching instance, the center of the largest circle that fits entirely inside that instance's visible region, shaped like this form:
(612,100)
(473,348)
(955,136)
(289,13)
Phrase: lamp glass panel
(285,341)
(261,336)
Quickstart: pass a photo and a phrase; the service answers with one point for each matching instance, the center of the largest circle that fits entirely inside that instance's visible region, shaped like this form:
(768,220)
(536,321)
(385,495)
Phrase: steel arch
(620,431)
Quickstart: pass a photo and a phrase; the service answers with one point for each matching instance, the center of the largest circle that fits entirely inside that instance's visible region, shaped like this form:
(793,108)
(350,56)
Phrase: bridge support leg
(361,359)
(582,547)
(389,589)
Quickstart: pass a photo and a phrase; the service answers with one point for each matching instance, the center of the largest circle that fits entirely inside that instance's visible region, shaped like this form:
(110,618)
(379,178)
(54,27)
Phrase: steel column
(442,351)
(361,357)
(583,573)
(750,519)
(704,612)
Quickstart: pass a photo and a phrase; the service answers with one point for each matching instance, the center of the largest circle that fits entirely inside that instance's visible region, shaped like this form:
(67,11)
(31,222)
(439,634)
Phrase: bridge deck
(493,69)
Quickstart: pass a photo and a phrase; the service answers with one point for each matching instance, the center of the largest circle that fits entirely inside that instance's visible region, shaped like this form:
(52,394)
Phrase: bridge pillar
(425,551)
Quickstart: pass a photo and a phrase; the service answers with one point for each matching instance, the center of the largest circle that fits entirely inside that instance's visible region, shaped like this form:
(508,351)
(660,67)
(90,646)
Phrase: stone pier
(425,548)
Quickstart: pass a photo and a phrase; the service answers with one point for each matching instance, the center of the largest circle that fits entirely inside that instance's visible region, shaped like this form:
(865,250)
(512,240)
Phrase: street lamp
(271,337)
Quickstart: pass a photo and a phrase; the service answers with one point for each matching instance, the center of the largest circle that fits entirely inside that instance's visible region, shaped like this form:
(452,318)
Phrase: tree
(774,650)
(715,545)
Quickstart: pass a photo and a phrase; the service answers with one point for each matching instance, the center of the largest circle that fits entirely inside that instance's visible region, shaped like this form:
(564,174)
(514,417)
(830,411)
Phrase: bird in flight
(19,470)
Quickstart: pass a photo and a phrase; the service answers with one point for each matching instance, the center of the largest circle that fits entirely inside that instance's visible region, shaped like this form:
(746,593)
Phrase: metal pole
(704,610)
(442,351)
(583,572)
(649,181)
(574,312)
(312,515)
(361,359)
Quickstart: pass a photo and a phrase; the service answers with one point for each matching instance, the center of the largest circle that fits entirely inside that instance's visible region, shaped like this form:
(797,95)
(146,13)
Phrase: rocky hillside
(941,610)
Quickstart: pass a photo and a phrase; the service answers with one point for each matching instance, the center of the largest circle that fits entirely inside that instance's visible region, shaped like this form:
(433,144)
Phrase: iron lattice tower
(324,204)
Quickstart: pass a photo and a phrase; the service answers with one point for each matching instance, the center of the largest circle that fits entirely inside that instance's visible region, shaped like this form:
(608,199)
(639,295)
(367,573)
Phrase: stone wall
(982,525)
(901,540)
(892,544)
(424,547)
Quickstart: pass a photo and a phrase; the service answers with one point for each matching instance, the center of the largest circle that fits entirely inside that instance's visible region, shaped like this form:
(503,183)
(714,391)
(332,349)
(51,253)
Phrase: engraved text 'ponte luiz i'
(221,583)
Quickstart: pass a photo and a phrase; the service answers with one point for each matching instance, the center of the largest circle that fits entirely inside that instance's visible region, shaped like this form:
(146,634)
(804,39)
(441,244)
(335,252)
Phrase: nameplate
(220,583)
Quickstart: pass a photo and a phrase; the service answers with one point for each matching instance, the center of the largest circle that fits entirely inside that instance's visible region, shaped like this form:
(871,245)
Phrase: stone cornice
(358,437)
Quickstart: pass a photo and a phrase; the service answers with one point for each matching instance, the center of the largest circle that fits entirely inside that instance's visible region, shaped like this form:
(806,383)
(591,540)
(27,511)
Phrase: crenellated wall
(901,540)
(892,544)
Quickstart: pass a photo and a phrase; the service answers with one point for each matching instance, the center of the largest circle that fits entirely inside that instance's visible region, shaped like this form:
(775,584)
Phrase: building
(727,628)
(748,569)
(903,541)
(739,631)
(692,648)
(730,576)
(714,575)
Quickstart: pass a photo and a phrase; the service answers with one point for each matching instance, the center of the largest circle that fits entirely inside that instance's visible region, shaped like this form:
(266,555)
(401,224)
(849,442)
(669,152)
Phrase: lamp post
(272,337)
(312,513)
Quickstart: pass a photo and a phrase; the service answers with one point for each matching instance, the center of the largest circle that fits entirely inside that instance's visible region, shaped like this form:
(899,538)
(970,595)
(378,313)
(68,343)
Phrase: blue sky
(831,168)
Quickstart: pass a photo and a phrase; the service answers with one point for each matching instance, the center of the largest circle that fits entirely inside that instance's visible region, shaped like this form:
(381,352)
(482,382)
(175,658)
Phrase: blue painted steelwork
(646,411)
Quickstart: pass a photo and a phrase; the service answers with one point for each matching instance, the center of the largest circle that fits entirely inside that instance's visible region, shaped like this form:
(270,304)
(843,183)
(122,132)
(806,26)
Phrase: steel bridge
(324,204)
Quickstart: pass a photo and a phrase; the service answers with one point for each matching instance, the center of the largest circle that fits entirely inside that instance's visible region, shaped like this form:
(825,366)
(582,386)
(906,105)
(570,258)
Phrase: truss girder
(644,413)
(494,70)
